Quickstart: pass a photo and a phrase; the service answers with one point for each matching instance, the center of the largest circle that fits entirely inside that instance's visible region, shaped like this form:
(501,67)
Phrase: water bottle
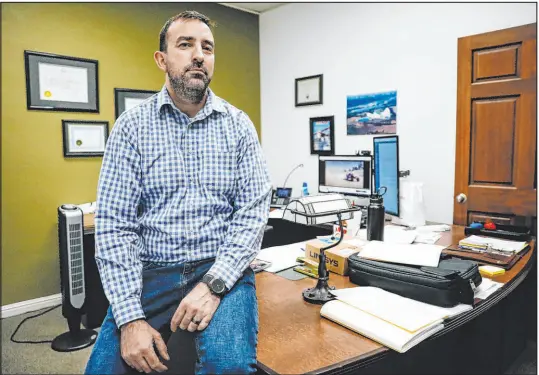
(376,215)
(305,191)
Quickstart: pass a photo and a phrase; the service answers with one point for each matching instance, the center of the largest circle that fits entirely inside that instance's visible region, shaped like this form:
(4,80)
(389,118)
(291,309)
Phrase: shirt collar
(213,102)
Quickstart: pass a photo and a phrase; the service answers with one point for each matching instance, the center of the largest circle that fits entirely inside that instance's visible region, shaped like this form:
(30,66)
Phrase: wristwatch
(217,286)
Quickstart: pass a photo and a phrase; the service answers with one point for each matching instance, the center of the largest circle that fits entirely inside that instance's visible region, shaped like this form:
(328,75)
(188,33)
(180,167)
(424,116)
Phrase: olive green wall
(36,178)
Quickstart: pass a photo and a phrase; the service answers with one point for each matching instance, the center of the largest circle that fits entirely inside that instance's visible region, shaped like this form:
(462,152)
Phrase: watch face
(218,286)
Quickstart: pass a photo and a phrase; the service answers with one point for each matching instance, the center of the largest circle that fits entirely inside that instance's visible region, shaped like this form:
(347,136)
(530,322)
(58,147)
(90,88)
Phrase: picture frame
(61,83)
(322,135)
(83,138)
(372,113)
(125,99)
(309,90)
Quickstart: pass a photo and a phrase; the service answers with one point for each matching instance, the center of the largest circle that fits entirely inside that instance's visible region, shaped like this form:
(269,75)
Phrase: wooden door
(496,150)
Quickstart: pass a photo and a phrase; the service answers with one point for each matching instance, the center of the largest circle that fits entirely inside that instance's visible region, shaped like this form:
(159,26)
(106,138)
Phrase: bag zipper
(430,276)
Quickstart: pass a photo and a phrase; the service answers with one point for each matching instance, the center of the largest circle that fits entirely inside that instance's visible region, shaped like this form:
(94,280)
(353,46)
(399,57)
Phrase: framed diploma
(309,90)
(61,83)
(84,138)
(125,99)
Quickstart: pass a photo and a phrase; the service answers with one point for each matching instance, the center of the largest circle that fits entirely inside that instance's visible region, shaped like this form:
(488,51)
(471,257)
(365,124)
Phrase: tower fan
(70,238)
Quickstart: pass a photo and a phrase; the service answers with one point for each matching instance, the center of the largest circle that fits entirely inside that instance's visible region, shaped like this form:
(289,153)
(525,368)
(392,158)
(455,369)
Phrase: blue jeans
(227,345)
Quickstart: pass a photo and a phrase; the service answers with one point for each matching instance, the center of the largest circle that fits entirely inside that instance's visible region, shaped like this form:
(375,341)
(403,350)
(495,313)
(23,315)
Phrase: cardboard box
(336,257)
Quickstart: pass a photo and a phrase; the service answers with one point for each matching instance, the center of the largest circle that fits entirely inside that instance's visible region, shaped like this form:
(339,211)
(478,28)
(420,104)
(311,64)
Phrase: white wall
(365,48)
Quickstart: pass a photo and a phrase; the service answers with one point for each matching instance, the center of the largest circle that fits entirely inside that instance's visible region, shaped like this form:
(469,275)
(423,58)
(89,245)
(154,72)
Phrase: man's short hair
(186,15)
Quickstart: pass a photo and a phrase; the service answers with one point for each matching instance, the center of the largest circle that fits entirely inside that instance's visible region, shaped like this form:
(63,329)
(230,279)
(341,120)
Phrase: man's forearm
(243,241)
(120,268)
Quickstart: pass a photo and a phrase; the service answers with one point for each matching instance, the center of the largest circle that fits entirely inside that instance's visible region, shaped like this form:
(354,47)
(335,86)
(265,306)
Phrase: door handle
(461,198)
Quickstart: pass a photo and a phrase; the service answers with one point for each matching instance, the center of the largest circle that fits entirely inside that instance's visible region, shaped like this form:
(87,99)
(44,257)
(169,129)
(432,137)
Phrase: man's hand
(197,307)
(137,339)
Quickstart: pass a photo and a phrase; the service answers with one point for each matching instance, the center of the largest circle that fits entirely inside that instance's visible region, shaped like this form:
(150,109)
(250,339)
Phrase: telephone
(281,197)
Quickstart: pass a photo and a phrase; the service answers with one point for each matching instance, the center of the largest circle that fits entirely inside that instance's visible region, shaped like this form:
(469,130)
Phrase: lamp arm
(297,166)
(340,237)
(322,268)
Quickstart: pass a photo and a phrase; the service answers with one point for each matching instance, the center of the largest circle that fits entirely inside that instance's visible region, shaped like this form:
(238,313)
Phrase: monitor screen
(349,175)
(386,171)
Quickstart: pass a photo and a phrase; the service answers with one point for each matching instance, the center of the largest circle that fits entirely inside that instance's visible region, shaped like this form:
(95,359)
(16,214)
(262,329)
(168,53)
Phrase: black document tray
(507,232)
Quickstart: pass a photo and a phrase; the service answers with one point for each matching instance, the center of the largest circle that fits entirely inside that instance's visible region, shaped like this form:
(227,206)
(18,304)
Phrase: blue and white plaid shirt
(203,187)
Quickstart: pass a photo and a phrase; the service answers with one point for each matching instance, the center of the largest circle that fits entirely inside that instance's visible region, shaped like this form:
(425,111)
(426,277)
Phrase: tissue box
(336,257)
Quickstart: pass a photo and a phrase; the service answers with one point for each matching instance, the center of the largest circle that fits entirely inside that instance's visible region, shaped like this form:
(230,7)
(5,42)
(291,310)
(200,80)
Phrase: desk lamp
(320,209)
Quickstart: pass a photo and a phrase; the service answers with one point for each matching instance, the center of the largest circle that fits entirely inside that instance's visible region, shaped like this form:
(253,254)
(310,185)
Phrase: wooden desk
(294,338)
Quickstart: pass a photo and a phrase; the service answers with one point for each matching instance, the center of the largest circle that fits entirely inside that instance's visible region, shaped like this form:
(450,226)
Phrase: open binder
(397,322)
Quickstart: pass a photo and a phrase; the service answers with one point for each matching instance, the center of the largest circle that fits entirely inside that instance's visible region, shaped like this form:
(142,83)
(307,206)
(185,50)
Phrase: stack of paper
(418,254)
(488,243)
(486,288)
(394,321)
(403,235)
(398,234)
(282,257)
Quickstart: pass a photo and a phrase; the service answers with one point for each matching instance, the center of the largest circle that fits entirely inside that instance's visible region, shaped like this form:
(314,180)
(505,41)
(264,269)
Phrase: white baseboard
(30,305)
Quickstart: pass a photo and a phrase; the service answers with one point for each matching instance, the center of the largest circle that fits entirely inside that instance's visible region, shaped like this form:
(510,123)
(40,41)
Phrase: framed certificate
(84,138)
(61,83)
(126,99)
(309,90)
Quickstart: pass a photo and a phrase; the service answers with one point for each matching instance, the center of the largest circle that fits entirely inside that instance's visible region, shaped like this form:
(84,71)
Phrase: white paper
(428,238)
(86,138)
(63,83)
(486,288)
(375,328)
(433,228)
(405,313)
(282,257)
(362,234)
(416,254)
(358,242)
(497,244)
(276,214)
(308,90)
(396,234)
(132,102)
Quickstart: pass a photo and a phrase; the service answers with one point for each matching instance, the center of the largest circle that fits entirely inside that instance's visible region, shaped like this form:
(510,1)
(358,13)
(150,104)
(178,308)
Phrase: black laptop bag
(447,285)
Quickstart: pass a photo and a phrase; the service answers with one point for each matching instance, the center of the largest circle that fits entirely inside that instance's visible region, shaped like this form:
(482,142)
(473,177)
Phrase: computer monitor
(386,171)
(349,175)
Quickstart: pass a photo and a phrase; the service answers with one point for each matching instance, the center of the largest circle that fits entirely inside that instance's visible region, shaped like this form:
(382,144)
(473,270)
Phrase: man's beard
(186,87)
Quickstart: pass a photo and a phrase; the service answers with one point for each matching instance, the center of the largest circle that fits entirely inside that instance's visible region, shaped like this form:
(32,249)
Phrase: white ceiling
(256,8)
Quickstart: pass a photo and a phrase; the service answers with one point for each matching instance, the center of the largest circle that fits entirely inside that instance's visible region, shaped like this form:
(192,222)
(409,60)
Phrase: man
(183,199)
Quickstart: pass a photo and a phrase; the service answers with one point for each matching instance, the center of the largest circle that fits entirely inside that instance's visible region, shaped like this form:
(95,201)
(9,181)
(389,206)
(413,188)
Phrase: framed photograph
(309,90)
(126,99)
(322,135)
(371,113)
(61,83)
(84,138)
